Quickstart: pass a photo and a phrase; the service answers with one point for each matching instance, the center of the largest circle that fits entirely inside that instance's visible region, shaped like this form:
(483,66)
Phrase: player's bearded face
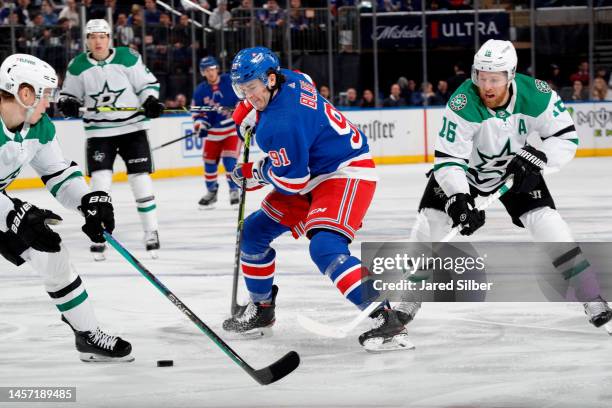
(98,44)
(493,88)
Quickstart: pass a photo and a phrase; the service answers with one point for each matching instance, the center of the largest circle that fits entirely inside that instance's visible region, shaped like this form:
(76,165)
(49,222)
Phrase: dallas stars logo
(107,96)
(458,102)
(495,163)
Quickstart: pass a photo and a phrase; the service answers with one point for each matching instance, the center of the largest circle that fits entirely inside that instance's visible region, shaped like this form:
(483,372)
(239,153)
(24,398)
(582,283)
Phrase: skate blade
(253,334)
(153,253)
(96,358)
(608,327)
(98,257)
(398,342)
(206,207)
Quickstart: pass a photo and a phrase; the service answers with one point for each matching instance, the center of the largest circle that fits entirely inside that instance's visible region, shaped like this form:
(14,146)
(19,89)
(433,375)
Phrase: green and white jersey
(475,143)
(121,80)
(38,147)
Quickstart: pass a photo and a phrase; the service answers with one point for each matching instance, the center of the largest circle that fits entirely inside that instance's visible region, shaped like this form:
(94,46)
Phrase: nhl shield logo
(542,86)
(458,102)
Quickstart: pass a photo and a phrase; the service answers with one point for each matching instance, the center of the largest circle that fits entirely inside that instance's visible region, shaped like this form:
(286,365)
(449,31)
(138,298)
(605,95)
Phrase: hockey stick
(140,109)
(263,376)
(341,332)
(245,159)
(178,139)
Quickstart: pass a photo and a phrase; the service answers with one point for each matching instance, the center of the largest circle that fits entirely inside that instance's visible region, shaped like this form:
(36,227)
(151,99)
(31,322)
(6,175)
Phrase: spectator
(151,14)
(161,33)
(603,72)
(368,99)
(324,91)
(601,92)
(180,101)
(297,17)
(49,14)
(456,80)
(181,38)
(394,98)
(442,94)
(220,17)
(135,14)
(388,5)
(4,13)
(429,96)
(71,13)
(124,34)
(351,99)
(273,15)
(36,28)
(22,11)
(582,74)
(576,93)
(241,15)
(554,78)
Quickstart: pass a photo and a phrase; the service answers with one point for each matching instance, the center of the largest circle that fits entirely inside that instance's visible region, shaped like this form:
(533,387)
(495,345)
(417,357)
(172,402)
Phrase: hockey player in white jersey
(483,140)
(27,136)
(115,77)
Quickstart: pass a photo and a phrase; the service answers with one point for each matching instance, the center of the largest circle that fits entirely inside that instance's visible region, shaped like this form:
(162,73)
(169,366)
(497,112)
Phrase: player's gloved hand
(153,108)
(245,117)
(460,207)
(200,128)
(252,172)
(526,167)
(97,209)
(30,225)
(70,107)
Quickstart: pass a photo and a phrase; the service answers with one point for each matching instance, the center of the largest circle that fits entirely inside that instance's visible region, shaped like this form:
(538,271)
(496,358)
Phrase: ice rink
(467,355)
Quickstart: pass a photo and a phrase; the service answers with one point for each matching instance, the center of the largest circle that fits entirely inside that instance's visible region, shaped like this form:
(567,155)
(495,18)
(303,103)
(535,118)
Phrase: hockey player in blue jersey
(217,129)
(324,179)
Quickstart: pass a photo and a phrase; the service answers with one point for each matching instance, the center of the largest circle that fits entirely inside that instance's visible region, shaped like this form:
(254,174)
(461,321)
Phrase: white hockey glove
(252,172)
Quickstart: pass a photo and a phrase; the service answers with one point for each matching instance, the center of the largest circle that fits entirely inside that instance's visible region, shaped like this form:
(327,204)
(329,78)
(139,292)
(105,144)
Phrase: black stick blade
(278,369)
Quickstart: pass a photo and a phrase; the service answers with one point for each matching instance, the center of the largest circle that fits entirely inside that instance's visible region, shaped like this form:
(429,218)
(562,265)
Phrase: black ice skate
(99,347)
(97,250)
(151,240)
(208,201)
(599,313)
(234,196)
(388,333)
(254,320)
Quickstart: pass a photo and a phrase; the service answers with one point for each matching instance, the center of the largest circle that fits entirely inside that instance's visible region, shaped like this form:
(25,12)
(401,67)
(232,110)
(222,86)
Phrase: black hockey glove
(70,107)
(99,215)
(153,108)
(29,225)
(526,167)
(460,207)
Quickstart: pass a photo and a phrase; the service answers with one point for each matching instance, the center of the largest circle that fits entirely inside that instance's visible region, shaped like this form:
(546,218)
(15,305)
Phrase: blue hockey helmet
(253,63)
(208,62)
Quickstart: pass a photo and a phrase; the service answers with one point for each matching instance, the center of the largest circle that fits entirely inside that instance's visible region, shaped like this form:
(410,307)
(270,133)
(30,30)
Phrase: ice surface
(467,355)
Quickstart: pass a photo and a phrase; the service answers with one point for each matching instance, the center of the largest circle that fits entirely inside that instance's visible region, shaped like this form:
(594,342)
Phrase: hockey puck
(165,363)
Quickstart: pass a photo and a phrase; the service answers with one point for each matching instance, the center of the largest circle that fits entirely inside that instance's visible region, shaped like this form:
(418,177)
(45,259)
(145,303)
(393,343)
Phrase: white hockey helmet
(495,56)
(20,69)
(97,25)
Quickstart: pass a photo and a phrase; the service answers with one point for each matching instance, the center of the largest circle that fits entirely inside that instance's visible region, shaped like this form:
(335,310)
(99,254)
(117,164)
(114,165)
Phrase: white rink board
(399,135)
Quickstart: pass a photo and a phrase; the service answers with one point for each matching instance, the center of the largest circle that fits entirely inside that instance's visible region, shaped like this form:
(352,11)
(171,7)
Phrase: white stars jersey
(475,143)
(121,80)
(38,147)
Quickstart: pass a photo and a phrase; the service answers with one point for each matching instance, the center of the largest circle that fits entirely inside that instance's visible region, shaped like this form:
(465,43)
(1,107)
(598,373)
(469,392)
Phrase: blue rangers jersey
(308,140)
(219,124)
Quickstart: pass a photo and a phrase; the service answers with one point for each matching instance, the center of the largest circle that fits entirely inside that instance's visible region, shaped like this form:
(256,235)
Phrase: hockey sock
(329,251)
(256,255)
(64,287)
(210,175)
(229,163)
(101,180)
(142,188)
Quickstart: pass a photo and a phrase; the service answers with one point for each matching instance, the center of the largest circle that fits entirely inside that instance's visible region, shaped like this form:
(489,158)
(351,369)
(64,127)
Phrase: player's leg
(432,223)
(136,153)
(229,155)
(336,213)
(68,293)
(577,279)
(101,154)
(211,154)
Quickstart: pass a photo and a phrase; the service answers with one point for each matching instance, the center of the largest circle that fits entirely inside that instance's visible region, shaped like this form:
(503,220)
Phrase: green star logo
(107,96)
(495,163)
(458,102)
(542,86)
(488,53)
